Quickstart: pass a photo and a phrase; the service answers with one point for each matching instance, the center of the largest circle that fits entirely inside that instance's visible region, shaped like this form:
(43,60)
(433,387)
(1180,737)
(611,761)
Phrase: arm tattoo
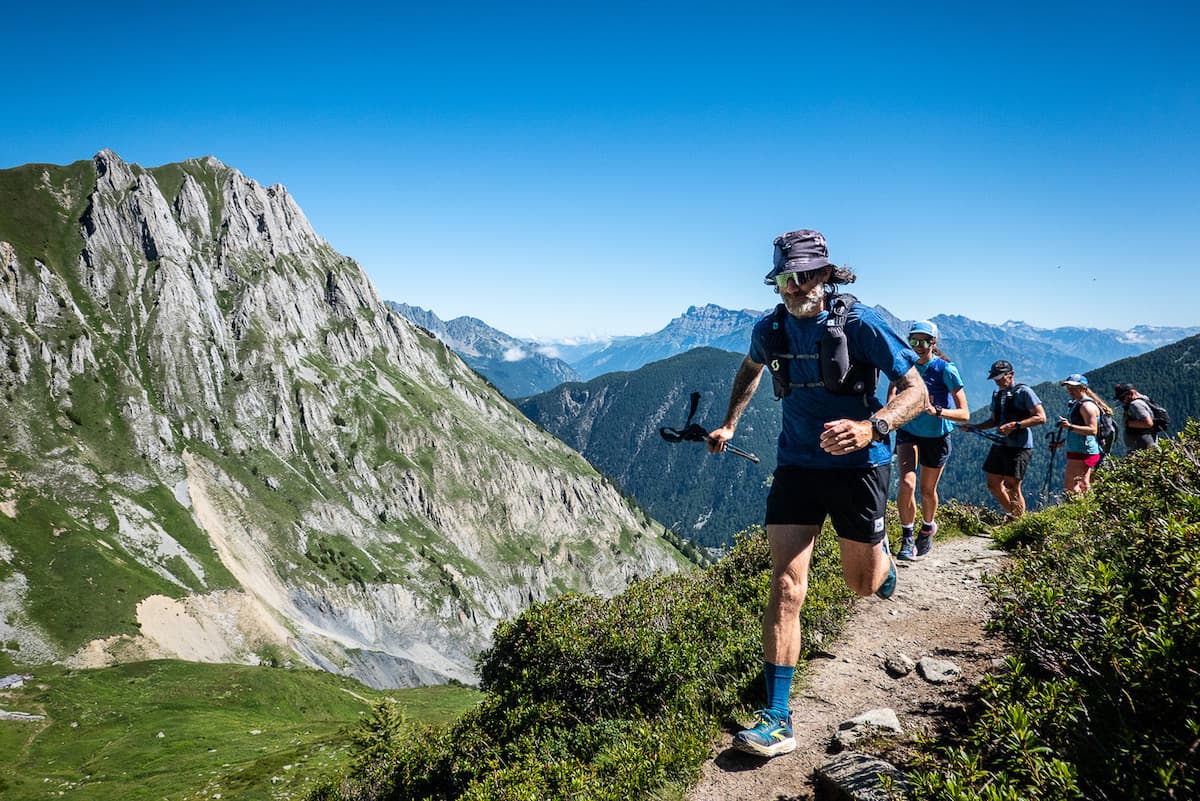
(909,401)
(744,385)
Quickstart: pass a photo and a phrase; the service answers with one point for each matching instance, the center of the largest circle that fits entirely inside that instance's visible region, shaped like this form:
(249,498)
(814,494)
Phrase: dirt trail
(938,610)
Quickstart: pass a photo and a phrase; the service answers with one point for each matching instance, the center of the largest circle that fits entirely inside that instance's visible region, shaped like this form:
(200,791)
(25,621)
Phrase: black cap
(999,368)
(1121,390)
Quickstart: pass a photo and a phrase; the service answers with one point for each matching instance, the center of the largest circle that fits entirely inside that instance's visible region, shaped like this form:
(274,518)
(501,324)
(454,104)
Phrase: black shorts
(931,451)
(1005,460)
(854,499)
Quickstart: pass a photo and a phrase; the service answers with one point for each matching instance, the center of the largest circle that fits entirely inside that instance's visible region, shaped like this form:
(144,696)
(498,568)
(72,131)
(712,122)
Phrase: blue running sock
(779,688)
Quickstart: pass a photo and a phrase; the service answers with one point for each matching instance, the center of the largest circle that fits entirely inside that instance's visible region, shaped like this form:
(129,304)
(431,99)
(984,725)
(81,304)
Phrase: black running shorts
(854,499)
(1003,460)
(931,451)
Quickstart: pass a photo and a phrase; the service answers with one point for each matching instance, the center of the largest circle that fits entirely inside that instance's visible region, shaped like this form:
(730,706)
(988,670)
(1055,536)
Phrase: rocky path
(938,611)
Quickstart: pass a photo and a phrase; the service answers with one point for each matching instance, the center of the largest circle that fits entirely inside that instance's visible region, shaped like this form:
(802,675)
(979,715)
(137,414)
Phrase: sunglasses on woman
(920,343)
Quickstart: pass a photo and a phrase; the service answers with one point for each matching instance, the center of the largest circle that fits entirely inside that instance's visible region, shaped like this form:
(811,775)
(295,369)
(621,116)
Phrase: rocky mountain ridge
(517,367)
(218,443)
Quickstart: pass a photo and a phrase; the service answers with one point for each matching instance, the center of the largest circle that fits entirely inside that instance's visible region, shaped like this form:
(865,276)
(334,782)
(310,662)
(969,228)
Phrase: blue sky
(596,170)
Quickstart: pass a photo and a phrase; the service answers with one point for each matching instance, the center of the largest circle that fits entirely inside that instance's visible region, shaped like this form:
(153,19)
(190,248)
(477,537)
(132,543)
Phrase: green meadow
(172,730)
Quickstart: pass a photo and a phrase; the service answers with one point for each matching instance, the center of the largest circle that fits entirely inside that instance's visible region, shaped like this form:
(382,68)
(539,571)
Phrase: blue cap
(924,327)
(1075,380)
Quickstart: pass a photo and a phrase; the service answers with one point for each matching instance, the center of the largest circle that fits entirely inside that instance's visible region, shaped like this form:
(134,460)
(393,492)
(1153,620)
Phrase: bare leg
(999,491)
(929,495)
(906,493)
(1016,497)
(864,566)
(791,554)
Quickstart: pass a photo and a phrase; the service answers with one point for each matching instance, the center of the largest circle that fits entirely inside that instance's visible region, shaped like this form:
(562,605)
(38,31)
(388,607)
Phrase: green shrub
(1102,609)
(601,699)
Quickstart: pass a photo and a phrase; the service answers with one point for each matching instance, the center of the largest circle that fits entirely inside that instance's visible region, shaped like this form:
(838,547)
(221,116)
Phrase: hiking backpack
(840,374)
(1106,431)
(1162,420)
(1106,428)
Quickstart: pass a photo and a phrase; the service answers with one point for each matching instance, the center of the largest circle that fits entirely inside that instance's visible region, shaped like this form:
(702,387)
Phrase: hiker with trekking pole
(925,440)
(824,351)
(1085,448)
(1015,410)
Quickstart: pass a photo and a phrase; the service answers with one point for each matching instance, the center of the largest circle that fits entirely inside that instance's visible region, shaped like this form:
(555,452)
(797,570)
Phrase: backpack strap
(779,355)
(839,373)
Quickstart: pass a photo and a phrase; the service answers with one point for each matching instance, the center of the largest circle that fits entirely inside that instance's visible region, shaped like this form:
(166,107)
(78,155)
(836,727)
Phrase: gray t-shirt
(1138,409)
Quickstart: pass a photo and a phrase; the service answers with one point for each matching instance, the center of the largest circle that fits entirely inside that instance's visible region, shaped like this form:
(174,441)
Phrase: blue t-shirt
(1014,404)
(941,393)
(870,340)
(1076,442)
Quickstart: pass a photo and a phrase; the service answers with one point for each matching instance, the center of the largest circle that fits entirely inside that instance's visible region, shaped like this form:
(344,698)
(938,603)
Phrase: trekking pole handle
(736,451)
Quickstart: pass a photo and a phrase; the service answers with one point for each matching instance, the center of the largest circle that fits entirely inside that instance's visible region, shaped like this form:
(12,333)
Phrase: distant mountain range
(613,421)
(515,367)
(523,367)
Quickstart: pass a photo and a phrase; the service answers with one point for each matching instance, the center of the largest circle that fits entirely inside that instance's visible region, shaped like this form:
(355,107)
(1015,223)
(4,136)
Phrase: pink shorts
(1089,459)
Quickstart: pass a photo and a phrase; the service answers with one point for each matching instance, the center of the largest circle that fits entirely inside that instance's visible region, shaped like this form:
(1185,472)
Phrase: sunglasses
(920,343)
(801,279)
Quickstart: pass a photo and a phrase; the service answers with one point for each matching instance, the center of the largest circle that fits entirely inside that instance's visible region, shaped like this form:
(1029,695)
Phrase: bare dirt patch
(938,610)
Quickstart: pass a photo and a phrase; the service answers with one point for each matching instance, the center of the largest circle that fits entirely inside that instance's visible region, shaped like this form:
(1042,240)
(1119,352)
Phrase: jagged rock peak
(254,217)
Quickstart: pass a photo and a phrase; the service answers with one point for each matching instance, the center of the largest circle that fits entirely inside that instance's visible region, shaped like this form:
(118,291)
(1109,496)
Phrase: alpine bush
(600,699)
(1101,699)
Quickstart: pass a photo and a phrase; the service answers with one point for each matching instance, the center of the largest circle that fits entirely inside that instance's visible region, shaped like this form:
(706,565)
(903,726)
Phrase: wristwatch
(880,428)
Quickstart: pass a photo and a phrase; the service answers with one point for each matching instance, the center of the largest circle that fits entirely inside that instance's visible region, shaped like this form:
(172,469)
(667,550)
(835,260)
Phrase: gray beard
(809,305)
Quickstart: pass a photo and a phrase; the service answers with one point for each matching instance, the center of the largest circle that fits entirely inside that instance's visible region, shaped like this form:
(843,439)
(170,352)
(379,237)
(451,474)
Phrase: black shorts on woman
(931,451)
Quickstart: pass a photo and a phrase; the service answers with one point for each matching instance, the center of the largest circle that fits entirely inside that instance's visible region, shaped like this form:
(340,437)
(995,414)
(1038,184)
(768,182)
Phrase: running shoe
(771,736)
(925,539)
(906,548)
(889,584)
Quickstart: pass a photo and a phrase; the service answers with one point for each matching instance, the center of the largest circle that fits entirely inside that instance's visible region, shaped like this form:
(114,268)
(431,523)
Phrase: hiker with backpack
(1082,425)
(1144,419)
(1015,410)
(925,440)
(824,352)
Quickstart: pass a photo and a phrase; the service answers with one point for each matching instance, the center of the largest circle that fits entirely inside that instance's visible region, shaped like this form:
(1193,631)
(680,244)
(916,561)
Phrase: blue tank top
(1076,442)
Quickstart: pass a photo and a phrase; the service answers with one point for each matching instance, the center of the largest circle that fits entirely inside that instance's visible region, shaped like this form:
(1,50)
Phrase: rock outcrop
(211,416)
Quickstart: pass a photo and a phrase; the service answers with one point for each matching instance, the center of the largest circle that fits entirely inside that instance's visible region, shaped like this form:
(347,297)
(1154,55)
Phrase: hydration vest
(1002,403)
(935,382)
(840,374)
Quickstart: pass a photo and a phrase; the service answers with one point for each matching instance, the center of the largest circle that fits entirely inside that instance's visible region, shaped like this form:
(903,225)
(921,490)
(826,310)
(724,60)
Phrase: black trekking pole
(1056,439)
(693,432)
(988,435)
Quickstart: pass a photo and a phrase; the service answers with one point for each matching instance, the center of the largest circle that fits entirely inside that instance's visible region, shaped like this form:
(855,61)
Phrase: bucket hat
(797,252)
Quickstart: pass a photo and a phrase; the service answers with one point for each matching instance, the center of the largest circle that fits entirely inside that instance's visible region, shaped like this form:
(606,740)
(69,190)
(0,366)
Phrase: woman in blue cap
(1081,425)
(925,440)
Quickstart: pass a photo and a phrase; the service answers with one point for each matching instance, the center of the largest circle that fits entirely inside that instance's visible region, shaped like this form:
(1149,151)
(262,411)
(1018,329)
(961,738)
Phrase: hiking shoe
(889,584)
(925,539)
(772,735)
(906,548)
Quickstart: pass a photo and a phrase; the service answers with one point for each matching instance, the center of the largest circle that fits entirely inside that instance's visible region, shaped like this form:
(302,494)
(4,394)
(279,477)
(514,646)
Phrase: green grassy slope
(244,732)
